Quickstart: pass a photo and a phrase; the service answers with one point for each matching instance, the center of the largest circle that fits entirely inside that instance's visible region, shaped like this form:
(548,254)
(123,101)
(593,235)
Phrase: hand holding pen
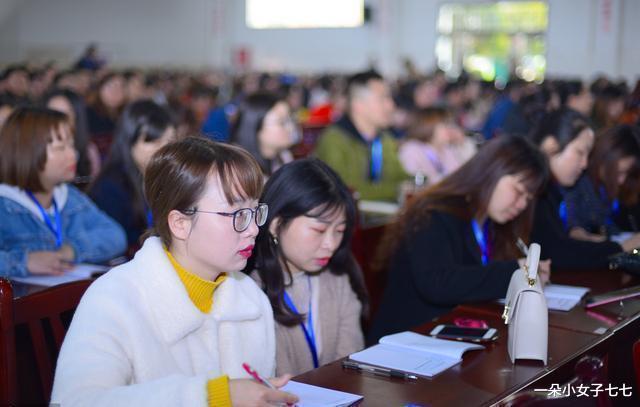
(260,391)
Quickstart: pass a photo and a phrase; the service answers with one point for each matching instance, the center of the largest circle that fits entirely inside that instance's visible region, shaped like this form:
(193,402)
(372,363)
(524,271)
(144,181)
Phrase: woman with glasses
(265,129)
(456,242)
(304,264)
(174,326)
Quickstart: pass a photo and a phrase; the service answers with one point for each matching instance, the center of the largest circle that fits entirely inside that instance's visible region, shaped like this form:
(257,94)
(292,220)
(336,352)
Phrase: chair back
(32,329)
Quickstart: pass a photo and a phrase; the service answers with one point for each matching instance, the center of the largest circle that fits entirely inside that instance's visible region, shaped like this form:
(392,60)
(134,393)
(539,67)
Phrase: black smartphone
(464,334)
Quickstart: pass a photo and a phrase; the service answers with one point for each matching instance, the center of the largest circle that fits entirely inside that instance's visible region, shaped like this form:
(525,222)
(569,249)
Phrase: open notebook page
(414,341)
(314,396)
(78,272)
(414,353)
(563,297)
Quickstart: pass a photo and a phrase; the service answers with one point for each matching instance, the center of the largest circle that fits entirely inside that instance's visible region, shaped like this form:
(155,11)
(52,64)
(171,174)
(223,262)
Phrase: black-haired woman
(304,264)
(566,138)
(143,128)
(596,199)
(456,242)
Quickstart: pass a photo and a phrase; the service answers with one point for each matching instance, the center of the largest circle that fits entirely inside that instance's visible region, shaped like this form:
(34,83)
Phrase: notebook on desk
(561,297)
(414,353)
(314,396)
(78,272)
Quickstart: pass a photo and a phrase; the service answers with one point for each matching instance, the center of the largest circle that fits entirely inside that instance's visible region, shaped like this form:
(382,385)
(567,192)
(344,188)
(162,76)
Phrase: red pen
(256,376)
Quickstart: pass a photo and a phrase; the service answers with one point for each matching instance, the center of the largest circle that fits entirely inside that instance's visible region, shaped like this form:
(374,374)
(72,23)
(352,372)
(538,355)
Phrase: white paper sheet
(78,272)
(561,297)
(414,353)
(314,396)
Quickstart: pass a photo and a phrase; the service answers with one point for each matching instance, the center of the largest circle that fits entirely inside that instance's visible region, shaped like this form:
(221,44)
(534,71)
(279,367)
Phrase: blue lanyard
(57,229)
(437,164)
(562,212)
(376,160)
(481,238)
(614,208)
(308,327)
(149,216)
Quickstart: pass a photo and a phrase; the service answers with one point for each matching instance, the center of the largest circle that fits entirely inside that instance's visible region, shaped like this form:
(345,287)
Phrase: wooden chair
(32,329)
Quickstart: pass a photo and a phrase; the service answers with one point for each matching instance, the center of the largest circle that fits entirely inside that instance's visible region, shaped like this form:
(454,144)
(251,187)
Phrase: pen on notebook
(522,246)
(379,371)
(256,376)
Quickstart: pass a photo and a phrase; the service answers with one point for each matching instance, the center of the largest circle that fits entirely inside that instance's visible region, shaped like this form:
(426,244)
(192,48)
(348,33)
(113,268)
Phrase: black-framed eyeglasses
(242,217)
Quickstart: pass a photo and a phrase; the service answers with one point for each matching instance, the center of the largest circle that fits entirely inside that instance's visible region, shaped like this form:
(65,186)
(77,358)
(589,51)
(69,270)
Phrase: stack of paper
(414,353)
(563,297)
(314,396)
(78,272)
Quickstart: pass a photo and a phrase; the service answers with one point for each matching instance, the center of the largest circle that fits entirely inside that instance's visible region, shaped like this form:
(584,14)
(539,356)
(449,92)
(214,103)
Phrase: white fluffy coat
(137,339)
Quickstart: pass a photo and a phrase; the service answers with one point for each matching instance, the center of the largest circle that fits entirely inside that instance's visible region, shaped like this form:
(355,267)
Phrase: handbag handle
(531,265)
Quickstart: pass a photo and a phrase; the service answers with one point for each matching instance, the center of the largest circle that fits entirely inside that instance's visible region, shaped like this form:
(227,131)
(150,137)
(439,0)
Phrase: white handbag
(526,312)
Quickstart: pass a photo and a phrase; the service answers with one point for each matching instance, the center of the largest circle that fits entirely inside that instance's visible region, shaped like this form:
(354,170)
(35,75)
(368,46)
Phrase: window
(262,14)
(493,40)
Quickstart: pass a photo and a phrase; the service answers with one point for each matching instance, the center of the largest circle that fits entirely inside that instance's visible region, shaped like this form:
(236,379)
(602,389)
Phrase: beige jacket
(336,315)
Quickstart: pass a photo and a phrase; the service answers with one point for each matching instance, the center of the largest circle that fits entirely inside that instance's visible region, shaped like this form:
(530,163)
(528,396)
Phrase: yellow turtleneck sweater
(200,292)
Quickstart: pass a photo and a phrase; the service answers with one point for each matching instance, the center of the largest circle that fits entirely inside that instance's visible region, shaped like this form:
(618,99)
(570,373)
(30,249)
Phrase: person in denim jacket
(47,224)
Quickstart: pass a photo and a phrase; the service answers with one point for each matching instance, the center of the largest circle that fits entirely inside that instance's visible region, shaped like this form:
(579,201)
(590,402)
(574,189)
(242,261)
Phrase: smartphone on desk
(465,334)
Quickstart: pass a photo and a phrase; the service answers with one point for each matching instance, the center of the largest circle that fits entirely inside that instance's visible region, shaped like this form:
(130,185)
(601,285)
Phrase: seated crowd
(234,247)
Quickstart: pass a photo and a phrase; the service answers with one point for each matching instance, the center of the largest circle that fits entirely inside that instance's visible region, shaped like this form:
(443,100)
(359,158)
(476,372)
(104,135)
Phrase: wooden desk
(487,377)
(22,289)
(596,321)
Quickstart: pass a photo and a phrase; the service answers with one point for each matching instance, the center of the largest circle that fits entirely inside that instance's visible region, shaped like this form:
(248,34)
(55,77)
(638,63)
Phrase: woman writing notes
(456,242)
(174,325)
(566,138)
(47,224)
(594,201)
(304,264)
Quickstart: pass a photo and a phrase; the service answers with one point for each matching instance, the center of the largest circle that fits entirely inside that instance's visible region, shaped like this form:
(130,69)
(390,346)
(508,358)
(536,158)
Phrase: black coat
(110,194)
(565,253)
(437,269)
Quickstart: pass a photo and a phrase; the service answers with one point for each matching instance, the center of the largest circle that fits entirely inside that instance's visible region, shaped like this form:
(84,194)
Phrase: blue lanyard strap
(481,238)
(562,212)
(614,208)
(437,164)
(376,160)
(57,229)
(149,216)
(308,327)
